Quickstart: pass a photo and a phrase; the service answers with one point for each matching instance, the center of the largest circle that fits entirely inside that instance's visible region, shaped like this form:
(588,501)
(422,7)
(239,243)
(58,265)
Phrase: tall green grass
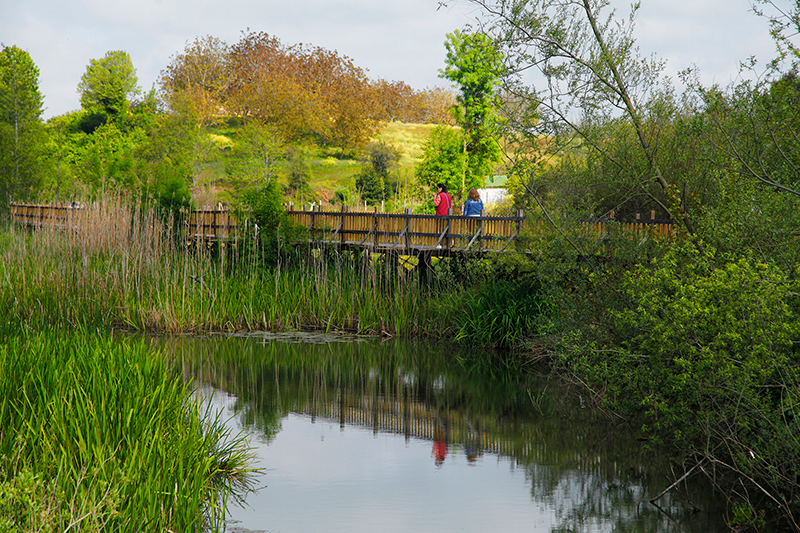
(97,434)
(122,268)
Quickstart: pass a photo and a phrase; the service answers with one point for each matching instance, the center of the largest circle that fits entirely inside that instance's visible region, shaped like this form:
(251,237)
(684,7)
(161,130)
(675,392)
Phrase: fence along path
(56,216)
(409,233)
(403,233)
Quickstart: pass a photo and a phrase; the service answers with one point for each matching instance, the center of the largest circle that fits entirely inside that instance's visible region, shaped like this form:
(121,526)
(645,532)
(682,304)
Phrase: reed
(121,267)
(96,433)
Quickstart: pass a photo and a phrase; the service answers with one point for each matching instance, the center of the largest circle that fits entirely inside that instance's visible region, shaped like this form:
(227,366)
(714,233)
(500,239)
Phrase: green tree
(475,66)
(751,131)
(256,151)
(370,185)
(267,224)
(784,26)
(592,76)
(22,134)
(107,159)
(443,160)
(166,159)
(107,88)
(297,170)
(377,161)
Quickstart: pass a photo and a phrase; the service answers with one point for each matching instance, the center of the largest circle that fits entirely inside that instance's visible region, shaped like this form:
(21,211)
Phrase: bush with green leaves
(265,225)
(705,356)
(370,185)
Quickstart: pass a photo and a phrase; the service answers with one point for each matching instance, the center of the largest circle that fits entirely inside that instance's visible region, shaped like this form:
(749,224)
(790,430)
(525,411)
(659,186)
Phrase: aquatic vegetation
(124,268)
(97,433)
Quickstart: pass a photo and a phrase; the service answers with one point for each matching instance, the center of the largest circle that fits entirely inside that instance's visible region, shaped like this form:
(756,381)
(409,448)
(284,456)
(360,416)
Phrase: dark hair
(442,186)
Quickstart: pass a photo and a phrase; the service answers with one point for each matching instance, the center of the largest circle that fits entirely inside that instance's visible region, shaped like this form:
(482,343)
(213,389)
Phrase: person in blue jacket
(473,204)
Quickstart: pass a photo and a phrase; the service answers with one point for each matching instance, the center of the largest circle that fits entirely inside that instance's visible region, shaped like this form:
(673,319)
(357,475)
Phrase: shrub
(706,357)
(267,225)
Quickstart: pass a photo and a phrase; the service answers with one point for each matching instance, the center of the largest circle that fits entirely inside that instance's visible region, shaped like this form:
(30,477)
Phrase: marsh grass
(120,266)
(97,434)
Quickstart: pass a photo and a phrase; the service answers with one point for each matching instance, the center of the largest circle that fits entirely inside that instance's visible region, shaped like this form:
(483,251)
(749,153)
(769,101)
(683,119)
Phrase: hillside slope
(328,170)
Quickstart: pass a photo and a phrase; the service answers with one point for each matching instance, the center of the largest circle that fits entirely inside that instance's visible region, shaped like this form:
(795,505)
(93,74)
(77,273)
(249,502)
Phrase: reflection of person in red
(439,447)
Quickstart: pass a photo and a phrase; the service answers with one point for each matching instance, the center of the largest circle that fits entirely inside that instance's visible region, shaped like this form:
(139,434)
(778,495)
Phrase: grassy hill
(329,171)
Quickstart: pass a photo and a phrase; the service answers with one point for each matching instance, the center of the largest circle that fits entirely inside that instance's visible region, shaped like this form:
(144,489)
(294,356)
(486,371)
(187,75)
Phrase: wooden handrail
(397,232)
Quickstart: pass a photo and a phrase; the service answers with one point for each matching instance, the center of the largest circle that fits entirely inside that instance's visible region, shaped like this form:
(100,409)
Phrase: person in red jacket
(442,201)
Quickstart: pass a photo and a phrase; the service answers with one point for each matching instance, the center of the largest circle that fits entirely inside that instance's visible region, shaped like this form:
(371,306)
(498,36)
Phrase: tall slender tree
(475,65)
(21,130)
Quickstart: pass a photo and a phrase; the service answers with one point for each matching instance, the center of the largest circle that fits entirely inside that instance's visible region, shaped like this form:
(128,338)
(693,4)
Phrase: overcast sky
(391,39)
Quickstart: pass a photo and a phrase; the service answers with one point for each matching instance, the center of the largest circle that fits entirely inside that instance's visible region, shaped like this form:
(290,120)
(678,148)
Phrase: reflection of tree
(593,475)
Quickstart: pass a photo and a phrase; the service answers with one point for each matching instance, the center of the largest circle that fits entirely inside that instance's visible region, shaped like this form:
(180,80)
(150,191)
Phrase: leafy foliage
(267,228)
(298,171)
(255,154)
(302,91)
(22,134)
(443,160)
(703,354)
(107,87)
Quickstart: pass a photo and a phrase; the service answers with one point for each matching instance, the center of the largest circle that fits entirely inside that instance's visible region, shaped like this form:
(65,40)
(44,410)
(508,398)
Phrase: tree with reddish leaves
(302,91)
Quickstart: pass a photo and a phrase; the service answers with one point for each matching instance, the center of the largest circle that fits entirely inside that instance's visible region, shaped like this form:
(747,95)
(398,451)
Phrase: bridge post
(407,230)
(311,228)
(482,230)
(424,267)
(447,229)
(341,233)
(375,225)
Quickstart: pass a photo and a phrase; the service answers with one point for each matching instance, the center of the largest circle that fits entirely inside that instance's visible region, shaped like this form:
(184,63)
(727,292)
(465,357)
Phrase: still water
(358,435)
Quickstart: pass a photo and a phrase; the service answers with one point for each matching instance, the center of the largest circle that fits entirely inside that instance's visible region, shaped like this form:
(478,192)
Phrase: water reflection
(580,472)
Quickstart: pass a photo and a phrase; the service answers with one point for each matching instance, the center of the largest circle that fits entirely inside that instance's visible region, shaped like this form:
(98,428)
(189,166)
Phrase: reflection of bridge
(412,418)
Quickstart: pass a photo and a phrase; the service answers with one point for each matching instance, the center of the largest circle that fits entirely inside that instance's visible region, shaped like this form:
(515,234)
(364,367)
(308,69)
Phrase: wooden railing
(56,216)
(380,232)
(211,225)
(408,232)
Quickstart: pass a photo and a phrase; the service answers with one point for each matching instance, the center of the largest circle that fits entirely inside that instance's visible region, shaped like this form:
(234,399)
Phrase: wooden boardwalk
(55,216)
(409,234)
